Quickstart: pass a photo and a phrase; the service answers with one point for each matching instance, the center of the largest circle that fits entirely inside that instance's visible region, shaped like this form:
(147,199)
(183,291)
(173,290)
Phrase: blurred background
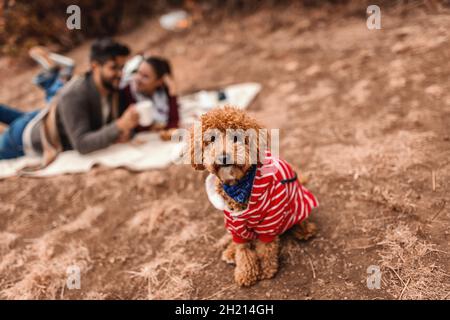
(24,24)
(363,113)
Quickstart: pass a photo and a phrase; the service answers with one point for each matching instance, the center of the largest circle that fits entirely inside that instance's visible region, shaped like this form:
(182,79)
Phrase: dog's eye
(235,139)
(213,139)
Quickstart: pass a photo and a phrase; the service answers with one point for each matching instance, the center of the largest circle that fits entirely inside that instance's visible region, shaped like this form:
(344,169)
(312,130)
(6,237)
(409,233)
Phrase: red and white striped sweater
(275,204)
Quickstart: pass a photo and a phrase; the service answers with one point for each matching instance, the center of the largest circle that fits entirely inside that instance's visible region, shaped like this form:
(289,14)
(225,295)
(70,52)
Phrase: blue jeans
(51,81)
(11,145)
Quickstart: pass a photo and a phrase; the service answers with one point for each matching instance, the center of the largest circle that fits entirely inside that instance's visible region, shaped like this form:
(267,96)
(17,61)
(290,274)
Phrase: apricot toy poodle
(260,194)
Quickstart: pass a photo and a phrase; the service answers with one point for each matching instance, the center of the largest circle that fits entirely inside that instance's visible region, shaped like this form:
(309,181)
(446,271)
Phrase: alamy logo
(74,20)
(374,19)
(73,280)
(374,278)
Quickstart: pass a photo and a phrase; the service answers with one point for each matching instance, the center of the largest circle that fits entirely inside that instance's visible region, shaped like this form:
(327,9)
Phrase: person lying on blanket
(144,78)
(150,78)
(89,113)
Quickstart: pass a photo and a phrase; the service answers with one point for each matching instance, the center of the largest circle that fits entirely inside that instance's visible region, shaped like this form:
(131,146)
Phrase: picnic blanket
(151,152)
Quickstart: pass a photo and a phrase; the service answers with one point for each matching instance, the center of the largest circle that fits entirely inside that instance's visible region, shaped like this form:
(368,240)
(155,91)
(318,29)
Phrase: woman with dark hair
(152,80)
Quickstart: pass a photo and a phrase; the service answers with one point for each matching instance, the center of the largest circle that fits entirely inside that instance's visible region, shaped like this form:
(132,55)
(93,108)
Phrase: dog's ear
(196,147)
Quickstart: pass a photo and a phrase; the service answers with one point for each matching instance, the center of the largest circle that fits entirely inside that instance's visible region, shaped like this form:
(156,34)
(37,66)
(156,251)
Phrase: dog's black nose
(224,159)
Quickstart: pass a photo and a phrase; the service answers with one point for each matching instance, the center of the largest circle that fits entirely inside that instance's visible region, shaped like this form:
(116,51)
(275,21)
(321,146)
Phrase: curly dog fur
(254,260)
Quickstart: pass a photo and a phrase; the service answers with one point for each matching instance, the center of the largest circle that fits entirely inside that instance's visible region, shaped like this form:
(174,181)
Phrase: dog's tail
(302,179)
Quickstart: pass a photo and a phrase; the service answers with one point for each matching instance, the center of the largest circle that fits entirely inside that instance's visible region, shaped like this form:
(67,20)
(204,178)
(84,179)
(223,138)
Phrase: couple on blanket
(94,110)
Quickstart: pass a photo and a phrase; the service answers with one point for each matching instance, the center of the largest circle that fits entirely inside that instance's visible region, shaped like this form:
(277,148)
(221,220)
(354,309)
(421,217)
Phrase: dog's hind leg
(302,179)
(304,230)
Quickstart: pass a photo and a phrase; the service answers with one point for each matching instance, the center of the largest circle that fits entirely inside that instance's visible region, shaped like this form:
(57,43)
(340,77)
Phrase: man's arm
(76,117)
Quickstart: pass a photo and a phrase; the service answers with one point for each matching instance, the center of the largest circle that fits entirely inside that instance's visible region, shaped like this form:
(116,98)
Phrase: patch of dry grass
(43,263)
(407,269)
(168,274)
(46,279)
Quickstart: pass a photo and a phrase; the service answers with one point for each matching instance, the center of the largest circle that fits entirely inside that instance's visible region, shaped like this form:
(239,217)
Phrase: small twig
(404,288)
(62,291)
(401,280)
(436,250)
(220,291)
(439,211)
(433,179)
(378,219)
(364,247)
(312,267)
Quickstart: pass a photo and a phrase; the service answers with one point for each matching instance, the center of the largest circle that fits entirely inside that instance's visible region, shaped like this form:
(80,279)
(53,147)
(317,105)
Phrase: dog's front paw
(247,269)
(268,258)
(229,254)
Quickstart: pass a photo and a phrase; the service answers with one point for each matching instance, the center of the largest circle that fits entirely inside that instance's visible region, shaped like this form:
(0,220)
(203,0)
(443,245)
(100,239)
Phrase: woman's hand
(129,119)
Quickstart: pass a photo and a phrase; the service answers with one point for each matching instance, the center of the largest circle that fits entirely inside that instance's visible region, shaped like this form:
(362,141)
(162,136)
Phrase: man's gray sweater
(79,119)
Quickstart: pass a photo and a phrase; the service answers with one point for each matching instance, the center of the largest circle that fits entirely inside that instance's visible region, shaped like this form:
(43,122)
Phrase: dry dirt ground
(365,114)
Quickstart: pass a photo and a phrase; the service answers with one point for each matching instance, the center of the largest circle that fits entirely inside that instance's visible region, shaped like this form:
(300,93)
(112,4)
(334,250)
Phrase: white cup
(145,110)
